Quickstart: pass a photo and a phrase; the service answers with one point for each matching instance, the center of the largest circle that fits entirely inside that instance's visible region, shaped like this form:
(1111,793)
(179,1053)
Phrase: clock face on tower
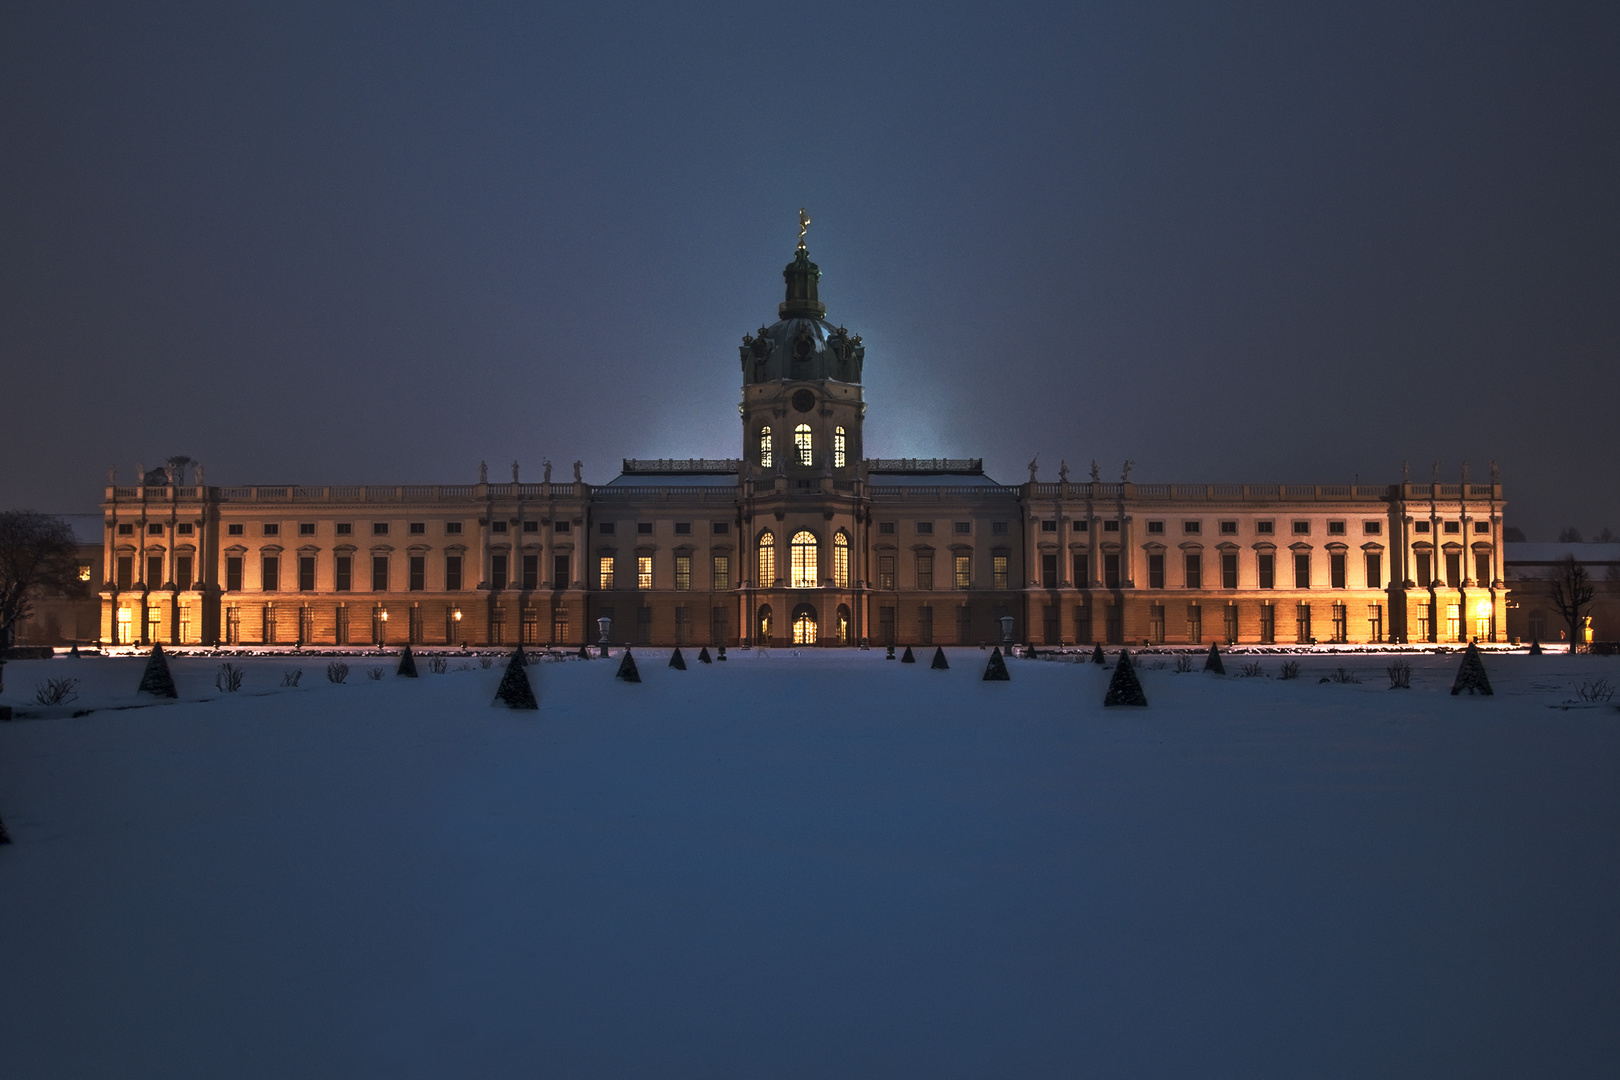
(804,400)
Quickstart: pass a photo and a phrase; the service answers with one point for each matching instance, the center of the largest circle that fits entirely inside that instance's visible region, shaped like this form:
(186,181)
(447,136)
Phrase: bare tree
(1569,534)
(37,554)
(1572,590)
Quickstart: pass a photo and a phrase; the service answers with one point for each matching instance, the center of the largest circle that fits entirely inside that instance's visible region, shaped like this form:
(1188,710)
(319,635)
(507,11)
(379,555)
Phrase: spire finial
(804,226)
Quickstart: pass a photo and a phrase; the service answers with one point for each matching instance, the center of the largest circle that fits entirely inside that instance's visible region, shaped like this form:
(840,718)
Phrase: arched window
(765,446)
(802,440)
(764,624)
(838,448)
(841,559)
(804,560)
(804,625)
(843,624)
(767,560)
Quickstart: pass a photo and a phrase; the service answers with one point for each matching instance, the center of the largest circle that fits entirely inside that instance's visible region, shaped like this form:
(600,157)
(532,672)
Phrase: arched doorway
(763,621)
(804,625)
(843,624)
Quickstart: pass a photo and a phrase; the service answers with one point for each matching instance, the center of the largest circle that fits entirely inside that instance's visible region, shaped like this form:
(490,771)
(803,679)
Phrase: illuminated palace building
(802,539)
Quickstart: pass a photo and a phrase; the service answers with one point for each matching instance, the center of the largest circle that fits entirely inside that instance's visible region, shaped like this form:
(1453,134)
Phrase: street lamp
(456,615)
(382,628)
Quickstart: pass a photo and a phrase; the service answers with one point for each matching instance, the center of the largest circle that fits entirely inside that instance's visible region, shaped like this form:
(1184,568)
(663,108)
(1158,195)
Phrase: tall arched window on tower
(838,448)
(767,560)
(841,559)
(804,560)
(765,447)
(802,440)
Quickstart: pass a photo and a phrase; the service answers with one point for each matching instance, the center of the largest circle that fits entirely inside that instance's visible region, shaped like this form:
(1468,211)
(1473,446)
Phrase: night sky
(1240,243)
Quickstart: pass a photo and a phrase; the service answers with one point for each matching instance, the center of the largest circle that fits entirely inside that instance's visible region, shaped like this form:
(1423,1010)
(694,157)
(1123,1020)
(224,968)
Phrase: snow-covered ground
(814,865)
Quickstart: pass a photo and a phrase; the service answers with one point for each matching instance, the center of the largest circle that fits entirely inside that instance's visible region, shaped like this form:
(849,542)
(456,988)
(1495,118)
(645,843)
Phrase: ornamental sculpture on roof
(804,226)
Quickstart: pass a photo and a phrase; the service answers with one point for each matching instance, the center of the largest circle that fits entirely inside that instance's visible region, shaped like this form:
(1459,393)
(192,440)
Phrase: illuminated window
(886,571)
(765,623)
(767,559)
(1375,622)
(126,620)
(841,559)
(804,560)
(998,565)
(722,572)
(1195,624)
(765,446)
(84,571)
(963,571)
(802,440)
(804,628)
(838,448)
(604,572)
(643,571)
(683,571)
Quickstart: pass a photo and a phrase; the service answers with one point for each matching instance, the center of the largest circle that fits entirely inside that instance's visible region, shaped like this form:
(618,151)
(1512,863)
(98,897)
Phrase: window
(1156,624)
(270,573)
(1302,624)
(129,530)
(1375,622)
(182,572)
(1114,624)
(886,625)
(1111,525)
(604,572)
(1081,568)
(1453,527)
(1420,526)
(230,530)
(1266,570)
(722,528)
(1423,618)
(306,624)
(417,528)
(345,528)
(341,629)
(1155,526)
(497,571)
(765,446)
(1230,616)
(1229,570)
(1155,570)
(1335,528)
(925,624)
(417,576)
(560,571)
(1192,528)
(767,560)
(644,572)
(1082,624)
(1082,526)
(886,528)
(306,528)
(154,570)
(762,618)
(233,573)
(683,528)
(1375,570)
(380,528)
(1263,528)
(961,528)
(497,526)
(998,569)
(1479,527)
(1302,528)
(1195,569)
(605,528)
(1482,568)
(1268,624)
(925,528)
(306,573)
(886,571)
(720,625)
(1336,569)
(963,571)
(1372,528)
(559,624)
(1453,569)
(452,573)
(925,571)
(269,635)
(270,529)
(683,572)
(1454,628)
(342,573)
(1195,624)
(1302,569)
(998,528)
(802,442)
(1049,526)
(683,624)
(531,572)
(453,528)
(379,573)
(1425,569)
(644,528)
(722,571)
(838,448)
(964,624)
(1111,571)
(531,527)
(841,559)
(1049,567)
(1341,624)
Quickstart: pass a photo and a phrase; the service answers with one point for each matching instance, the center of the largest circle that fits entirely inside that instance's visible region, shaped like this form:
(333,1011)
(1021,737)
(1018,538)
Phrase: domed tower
(801,404)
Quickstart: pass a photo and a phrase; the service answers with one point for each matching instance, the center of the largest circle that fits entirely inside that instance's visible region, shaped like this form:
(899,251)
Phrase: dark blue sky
(1260,242)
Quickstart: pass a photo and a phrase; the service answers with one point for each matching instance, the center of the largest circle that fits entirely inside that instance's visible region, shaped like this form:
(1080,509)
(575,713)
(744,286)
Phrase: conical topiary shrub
(627,669)
(515,691)
(584,653)
(74,652)
(1212,662)
(1471,675)
(1124,688)
(1097,656)
(1535,647)
(1031,654)
(996,669)
(407,663)
(907,658)
(156,680)
(677,661)
(940,663)
(703,656)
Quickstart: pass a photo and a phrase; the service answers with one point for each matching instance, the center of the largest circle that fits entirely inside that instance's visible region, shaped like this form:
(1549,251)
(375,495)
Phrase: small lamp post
(455,613)
(604,624)
(382,628)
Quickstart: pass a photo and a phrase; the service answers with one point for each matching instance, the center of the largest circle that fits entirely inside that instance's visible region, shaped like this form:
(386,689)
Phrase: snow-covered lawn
(811,866)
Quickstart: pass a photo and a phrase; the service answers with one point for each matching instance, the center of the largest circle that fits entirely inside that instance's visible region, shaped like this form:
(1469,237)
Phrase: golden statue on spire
(804,226)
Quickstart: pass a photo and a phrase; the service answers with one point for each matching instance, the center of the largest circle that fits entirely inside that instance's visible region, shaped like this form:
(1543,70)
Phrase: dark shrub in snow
(156,680)
(703,656)
(337,671)
(515,692)
(627,669)
(1213,661)
(996,669)
(57,691)
(229,678)
(907,658)
(407,663)
(1471,674)
(677,661)
(1124,688)
(940,663)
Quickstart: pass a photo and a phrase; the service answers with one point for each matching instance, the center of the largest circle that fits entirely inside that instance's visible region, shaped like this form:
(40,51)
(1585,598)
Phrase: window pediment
(1299,546)
(270,549)
(1372,546)
(308,549)
(1263,545)
(1226,547)
(381,549)
(1190,545)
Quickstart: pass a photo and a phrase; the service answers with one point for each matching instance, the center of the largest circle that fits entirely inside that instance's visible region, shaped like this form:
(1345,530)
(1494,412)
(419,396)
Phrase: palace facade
(801,539)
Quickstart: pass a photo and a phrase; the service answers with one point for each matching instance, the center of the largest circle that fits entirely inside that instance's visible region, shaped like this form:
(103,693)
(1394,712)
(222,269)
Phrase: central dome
(802,345)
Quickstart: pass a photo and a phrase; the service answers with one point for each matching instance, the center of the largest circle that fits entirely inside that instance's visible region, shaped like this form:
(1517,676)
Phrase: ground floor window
(559,625)
(531,626)
(306,625)
(763,624)
(233,625)
(342,630)
(1114,621)
(1231,613)
(1156,624)
(1454,622)
(1049,623)
(1302,620)
(497,627)
(269,623)
(964,625)
(925,625)
(683,624)
(1268,624)
(1375,622)
(843,624)
(1423,627)
(1195,624)
(720,625)
(804,625)
(644,626)
(1341,624)
(886,625)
